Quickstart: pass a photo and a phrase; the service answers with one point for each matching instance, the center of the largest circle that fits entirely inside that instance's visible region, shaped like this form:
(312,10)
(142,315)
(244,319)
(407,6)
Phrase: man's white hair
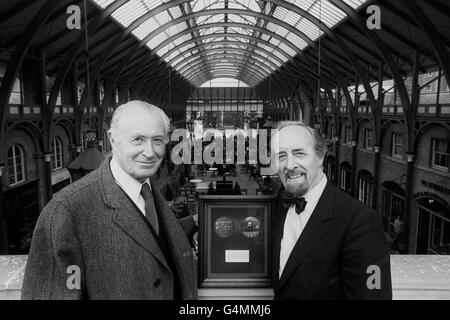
(132,106)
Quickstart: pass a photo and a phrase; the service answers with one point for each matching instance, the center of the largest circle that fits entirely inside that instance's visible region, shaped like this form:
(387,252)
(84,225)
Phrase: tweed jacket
(92,229)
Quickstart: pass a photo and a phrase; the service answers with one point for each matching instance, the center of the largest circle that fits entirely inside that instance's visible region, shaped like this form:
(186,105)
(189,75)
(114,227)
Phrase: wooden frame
(235,241)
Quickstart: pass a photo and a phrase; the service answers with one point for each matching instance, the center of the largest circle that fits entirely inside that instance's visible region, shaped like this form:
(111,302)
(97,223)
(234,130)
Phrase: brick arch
(389,123)
(365,173)
(385,128)
(359,126)
(421,195)
(29,128)
(427,126)
(64,131)
(68,127)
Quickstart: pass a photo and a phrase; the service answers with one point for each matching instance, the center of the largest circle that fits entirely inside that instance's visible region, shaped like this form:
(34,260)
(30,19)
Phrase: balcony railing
(413,277)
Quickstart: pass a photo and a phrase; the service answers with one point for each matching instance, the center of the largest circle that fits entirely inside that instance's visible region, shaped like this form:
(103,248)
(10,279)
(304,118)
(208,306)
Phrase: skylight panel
(151,4)
(163,17)
(216,39)
(308,28)
(156,40)
(275,42)
(209,19)
(272,27)
(175,12)
(241,18)
(209,40)
(129,12)
(287,16)
(239,39)
(210,30)
(207,5)
(183,48)
(276,64)
(288,49)
(252,5)
(145,28)
(265,37)
(264,60)
(172,45)
(296,40)
(173,30)
(241,30)
(183,57)
(236,5)
(257,66)
(280,56)
(181,65)
(177,41)
(264,46)
(303,4)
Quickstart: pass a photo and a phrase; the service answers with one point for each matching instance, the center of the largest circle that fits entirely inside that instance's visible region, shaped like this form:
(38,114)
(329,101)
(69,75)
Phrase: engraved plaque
(234,241)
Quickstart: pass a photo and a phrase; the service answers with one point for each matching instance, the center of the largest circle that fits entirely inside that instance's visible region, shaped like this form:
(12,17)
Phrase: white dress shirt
(130,185)
(295,223)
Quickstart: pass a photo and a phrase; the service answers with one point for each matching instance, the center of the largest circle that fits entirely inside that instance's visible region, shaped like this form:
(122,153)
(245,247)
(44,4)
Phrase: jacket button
(157,283)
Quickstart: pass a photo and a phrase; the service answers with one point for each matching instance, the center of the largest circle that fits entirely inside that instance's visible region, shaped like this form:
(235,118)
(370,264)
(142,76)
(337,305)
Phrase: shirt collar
(130,185)
(313,195)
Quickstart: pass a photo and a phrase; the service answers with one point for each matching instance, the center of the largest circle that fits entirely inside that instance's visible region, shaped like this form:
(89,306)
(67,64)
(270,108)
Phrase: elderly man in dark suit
(111,234)
(326,244)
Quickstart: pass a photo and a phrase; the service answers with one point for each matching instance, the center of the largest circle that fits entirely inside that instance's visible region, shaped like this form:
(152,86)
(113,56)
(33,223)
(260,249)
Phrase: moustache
(294,173)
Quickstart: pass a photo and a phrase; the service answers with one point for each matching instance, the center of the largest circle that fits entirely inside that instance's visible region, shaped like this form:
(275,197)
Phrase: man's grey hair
(132,106)
(320,144)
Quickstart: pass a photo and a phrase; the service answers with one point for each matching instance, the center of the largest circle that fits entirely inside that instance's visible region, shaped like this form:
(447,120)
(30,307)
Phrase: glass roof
(224,82)
(204,38)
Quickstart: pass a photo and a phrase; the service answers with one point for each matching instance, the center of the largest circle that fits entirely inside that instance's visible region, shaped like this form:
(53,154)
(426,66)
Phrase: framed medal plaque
(234,241)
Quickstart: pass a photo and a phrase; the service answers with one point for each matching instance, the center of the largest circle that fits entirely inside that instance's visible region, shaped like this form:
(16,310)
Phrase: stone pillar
(354,192)
(48,176)
(408,199)
(3,229)
(337,177)
(375,176)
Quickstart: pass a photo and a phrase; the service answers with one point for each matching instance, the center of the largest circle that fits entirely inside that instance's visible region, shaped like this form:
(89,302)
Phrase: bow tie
(288,199)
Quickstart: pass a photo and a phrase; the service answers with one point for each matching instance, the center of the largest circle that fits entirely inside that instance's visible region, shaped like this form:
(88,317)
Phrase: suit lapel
(314,230)
(177,241)
(126,216)
(276,244)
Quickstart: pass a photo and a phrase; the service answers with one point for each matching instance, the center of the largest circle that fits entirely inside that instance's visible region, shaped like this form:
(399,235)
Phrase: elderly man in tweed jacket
(102,237)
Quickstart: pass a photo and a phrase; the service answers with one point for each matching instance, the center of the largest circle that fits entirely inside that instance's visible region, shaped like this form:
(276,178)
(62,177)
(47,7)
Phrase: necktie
(288,199)
(150,210)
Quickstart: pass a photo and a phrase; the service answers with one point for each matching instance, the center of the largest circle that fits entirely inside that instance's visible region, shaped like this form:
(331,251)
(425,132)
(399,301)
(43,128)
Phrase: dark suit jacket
(342,238)
(93,225)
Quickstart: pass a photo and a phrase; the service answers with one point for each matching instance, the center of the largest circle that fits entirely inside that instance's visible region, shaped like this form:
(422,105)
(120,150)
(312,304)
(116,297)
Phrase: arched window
(346,177)
(433,230)
(330,168)
(16,167)
(348,134)
(392,208)
(57,159)
(365,187)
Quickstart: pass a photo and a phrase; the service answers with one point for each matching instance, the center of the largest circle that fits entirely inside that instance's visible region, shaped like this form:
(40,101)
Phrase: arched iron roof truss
(250,33)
